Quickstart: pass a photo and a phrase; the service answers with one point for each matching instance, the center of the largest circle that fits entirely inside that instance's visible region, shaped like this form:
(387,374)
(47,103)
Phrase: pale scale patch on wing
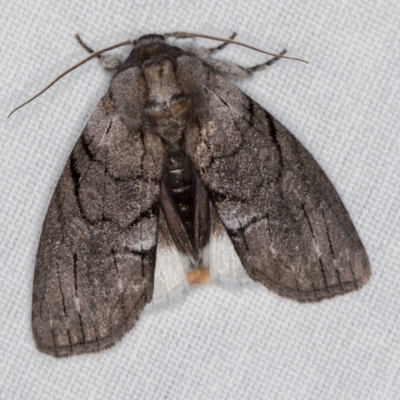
(170,281)
(226,269)
(170,275)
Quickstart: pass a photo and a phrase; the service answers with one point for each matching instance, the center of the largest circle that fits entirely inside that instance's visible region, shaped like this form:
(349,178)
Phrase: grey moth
(180,178)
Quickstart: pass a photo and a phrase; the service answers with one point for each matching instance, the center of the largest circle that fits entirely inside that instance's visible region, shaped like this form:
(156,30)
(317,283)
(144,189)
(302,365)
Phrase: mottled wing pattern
(285,219)
(96,257)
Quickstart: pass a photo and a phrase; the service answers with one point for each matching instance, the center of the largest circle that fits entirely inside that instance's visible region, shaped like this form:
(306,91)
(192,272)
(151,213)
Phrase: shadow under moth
(181,178)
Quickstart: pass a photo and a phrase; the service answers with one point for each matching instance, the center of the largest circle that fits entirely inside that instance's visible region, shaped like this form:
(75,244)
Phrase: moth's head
(149,47)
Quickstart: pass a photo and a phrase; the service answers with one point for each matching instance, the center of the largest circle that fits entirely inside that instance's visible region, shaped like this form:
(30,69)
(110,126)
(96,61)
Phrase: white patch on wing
(219,259)
(234,220)
(170,279)
(77,304)
(226,269)
(120,285)
(143,238)
(316,247)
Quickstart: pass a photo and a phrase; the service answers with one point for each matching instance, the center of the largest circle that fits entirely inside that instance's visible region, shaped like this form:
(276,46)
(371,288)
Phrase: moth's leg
(260,67)
(213,50)
(83,44)
(108,63)
(205,54)
(236,71)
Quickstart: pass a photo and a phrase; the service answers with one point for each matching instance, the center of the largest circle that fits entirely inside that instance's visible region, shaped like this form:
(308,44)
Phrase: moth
(180,178)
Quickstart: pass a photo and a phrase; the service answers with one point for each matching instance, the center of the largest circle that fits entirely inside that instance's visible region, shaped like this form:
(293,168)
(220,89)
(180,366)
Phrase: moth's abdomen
(179,178)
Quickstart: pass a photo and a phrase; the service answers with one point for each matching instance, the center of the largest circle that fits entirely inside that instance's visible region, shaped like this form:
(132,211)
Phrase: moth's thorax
(168,106)
(171,83)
